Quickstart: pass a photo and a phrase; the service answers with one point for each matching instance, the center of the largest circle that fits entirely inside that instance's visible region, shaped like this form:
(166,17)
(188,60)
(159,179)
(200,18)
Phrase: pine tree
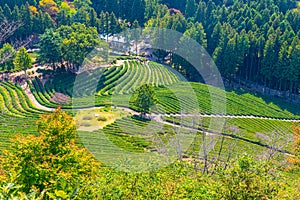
(63,18)
(82,3)
(178,23)
(101,26)
(201,13)
(282,66)
(7,12)
(136,34)
(114,24)
(47,22)
(50,48)
(197,33)
(230,59)
(138,8)
(27,18)
(215,38)
(94,21)
(82,16)
(211,6)
(190,8)
(242,48)
(269,60)
(218,58)
(293,72)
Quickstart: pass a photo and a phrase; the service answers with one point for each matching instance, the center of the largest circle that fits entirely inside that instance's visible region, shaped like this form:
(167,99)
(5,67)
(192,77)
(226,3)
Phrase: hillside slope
(114,86)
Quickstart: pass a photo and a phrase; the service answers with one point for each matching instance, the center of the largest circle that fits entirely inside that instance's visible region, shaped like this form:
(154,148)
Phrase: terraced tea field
(121,80)
(237,102)
(143,139)
(18,115)
(173,94)
(115,85)
(260,131)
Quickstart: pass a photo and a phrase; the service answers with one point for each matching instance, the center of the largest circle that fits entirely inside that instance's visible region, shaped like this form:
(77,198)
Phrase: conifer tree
(190,8)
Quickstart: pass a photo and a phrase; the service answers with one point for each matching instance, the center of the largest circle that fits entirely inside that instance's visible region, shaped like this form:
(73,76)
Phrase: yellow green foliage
(33,10)
(69,10)
(295,160)
(22,60)
(248,179)
(50,163)
(49,6)
(243,179)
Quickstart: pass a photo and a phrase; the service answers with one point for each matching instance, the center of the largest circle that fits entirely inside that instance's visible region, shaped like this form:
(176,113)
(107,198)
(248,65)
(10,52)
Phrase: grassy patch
(91,120)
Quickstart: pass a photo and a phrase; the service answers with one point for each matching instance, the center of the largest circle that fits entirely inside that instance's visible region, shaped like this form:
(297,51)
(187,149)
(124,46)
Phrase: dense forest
(254,41)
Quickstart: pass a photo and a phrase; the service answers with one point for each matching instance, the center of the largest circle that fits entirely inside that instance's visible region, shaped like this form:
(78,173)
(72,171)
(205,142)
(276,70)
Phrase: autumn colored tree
(49,6)
(67,8)
(33,10)
(295,159)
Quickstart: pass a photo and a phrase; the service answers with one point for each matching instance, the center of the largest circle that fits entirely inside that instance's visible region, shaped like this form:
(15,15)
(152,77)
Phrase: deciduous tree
(49,6)
(50,48)
(77,41)
(144,98)
(51,163)
(23,60)
(7,54)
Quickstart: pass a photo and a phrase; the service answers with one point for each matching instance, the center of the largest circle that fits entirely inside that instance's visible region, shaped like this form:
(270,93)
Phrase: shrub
(247,179)
(103,119)
(50,163)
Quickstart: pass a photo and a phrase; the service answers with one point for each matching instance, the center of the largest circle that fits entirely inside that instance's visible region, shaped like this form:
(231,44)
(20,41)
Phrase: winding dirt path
(31,97)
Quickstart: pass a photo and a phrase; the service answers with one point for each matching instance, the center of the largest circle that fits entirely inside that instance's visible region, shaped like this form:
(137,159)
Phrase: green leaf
(61,194)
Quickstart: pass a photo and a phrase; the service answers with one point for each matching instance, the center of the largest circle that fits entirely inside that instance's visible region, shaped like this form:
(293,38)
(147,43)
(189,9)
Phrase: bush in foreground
(50,164)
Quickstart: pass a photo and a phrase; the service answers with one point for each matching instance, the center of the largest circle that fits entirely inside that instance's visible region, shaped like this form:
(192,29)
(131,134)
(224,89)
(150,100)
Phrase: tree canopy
(144,98)
(23,60)
(51,163)
(68,43)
